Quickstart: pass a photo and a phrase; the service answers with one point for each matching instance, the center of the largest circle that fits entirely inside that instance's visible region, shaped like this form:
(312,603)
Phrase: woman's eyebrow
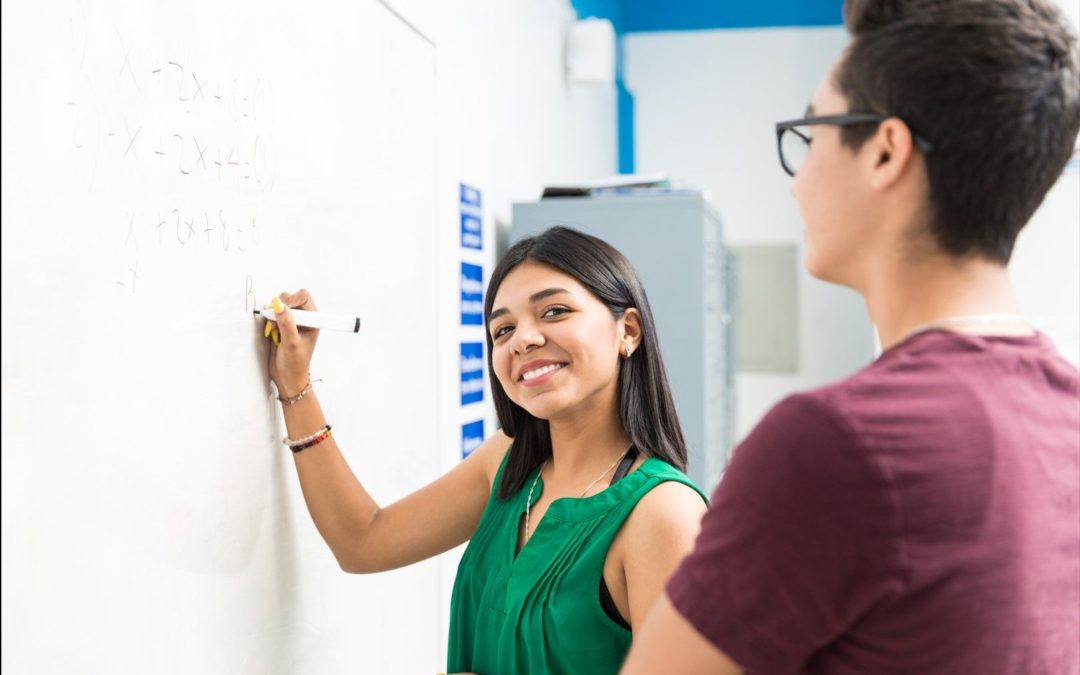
(547,292)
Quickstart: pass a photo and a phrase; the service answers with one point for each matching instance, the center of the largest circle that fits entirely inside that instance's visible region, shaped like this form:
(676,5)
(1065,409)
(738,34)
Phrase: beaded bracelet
(308,441)
(293,400)
(305,439)
(315,441)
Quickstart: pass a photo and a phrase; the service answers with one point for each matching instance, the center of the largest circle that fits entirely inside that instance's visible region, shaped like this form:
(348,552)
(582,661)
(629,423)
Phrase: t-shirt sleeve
(798,543)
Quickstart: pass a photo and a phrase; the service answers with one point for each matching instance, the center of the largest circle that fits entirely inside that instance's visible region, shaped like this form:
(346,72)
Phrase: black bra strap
(606,602)
(608,605)
(625,464)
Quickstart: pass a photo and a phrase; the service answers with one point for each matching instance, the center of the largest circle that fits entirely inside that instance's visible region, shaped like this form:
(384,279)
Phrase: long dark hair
(646,410)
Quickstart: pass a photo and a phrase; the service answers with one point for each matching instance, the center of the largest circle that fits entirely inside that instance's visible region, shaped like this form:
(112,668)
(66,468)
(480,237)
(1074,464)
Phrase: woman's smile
(536,373)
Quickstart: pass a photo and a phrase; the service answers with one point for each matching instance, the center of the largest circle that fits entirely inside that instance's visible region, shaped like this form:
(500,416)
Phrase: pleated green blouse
(540,612)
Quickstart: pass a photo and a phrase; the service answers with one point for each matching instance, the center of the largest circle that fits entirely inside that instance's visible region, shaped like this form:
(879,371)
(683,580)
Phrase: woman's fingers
(283,332)
(286,326)
(299,300)
(292,346)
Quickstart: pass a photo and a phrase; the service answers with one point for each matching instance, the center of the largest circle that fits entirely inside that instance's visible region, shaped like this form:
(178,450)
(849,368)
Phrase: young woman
(576,511)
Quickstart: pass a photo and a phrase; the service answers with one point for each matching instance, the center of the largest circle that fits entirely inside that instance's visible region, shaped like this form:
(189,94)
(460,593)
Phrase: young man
(922,516)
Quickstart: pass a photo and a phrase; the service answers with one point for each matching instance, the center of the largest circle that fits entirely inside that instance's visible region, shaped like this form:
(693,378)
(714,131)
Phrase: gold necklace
(528,501)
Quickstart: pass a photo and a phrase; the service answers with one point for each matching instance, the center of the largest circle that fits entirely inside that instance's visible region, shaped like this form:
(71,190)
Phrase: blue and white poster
(472,295)
(472,372)
(471,236)
(472,435)
(470,196)
(471,232)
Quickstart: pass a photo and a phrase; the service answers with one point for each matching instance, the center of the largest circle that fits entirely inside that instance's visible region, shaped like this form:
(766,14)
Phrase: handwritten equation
(217,232)
(191,147)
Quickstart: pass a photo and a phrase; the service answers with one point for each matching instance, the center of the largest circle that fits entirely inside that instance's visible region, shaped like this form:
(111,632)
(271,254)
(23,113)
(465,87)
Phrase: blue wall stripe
(600,9)
(639,16)
(625,127)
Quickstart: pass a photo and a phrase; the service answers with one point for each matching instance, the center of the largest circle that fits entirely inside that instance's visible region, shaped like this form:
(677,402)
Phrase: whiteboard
(167,167)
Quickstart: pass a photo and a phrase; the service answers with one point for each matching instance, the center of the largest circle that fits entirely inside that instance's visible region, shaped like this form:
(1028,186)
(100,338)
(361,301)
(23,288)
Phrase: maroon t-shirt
(922,516)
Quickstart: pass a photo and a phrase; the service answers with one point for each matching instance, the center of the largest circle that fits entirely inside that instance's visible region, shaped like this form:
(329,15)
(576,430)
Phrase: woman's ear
(631,331)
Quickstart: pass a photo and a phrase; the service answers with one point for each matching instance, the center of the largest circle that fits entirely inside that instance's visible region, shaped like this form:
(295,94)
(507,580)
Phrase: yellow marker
(269,327)
(278,305)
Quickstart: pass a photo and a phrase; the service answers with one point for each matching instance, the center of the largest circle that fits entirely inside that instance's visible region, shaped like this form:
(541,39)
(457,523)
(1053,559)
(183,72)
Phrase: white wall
(706,103)
(1045,268)
(509,120)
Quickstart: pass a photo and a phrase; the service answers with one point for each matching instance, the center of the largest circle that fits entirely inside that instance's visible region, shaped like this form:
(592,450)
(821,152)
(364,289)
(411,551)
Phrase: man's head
(993,85)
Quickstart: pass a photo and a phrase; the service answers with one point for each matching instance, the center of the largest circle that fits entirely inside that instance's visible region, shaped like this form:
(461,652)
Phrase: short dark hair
(645,406)
(993,84)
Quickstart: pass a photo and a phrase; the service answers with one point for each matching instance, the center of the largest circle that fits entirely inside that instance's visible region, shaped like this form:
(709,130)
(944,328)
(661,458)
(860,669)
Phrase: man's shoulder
(806,429)
(845,417)
(896,380)
(929,375)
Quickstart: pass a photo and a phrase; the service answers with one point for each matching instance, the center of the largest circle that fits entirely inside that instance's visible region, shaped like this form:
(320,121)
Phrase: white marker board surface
(167,167)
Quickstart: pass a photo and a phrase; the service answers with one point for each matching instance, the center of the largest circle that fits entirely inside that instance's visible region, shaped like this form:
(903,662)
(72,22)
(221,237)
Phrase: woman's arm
(669,644)
(363,536)
(658,534)
(366,538)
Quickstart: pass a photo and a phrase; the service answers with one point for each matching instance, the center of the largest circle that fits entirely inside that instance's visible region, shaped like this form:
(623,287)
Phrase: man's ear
(889,152)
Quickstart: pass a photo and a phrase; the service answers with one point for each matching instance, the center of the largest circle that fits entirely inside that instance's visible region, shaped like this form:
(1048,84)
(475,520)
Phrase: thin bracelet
(305,439)
(293,400)
(315,441)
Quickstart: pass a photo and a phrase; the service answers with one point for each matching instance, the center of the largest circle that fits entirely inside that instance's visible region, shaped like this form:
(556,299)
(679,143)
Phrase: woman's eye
(554,311)
(500,331)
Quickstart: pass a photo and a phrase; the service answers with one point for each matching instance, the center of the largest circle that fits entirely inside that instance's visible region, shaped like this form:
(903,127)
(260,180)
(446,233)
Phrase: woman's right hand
(290,355)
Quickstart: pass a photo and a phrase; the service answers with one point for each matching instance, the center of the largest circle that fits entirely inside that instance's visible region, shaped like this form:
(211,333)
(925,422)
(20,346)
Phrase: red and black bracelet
(314,439)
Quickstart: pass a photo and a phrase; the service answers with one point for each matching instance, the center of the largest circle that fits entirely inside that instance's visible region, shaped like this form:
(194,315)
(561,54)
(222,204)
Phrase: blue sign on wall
(470,196)
(472,372)
(471,237)
(472,295)
(472,435)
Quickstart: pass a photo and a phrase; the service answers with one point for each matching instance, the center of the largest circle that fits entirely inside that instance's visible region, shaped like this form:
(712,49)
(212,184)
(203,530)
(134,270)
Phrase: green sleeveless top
(540,612)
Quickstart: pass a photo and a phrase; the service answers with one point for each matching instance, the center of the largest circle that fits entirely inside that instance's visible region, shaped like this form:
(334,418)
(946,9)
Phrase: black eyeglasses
(793,144)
